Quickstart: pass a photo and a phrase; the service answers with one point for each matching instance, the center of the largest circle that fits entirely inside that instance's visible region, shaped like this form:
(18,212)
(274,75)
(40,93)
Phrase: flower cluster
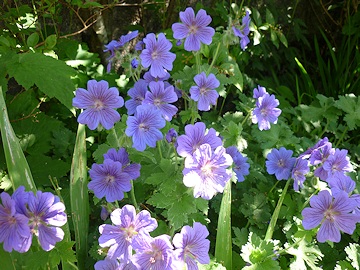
(129,241)
(112,178)
(25,214)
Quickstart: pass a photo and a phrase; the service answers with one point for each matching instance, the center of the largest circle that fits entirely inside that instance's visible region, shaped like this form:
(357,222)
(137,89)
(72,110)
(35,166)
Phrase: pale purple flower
(195,30)
(192,246)
(149,78)
(144,127)
(206,171)
(243,31)
(319,156)
(337,164)
(104,214)
(139,46)
(126,226)
(339,184)
(317,147)
(265,111)
(133,169)
(109,180)
(196,135)
(153,253)
(204,92)
(13,225)
(240,167)
(259,92)
(100,103)
(137,94)
(128,37)
(157,55)
(280,162)
(299,171)
(171,136)
(160,96)
(46,214)
(111,47)
(334,213)
(107,264)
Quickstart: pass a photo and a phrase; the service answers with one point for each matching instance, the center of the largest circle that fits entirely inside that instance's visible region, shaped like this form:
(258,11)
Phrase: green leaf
(282,38)
(270,17)
(50,42)
(274,38)
(6,260)
(265,265)
(353,254)
(32,40)
(350,104)
(53,77)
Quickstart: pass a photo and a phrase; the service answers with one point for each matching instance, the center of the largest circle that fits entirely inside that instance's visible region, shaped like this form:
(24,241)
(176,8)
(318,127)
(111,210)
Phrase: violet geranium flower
(334,213)
(192,246)
(144,127)
(109,180)
(157,55)
(299,171)
(137,94)
(204,92)
(206,171)
(241,167)
(195,30)
(337,164)
(196,135)
(100,103)
(153,253)
(13,225)
(243,31)
(280,162)
(265,111)
(125,228)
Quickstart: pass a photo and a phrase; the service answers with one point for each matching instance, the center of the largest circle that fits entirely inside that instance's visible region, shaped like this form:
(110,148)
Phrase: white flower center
(98,104)
(203,90)
(157,102)
(193,29)
(281,163)
(154,55)
(109,179)
(143,127)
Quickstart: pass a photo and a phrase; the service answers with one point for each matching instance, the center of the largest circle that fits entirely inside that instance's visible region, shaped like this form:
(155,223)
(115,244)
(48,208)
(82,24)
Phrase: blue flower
(241,167)
(100,103)
(299,171)
(157,55)
(144,127)
(243,31)
(195,30)
(204,92)
(137,94)
(280,162)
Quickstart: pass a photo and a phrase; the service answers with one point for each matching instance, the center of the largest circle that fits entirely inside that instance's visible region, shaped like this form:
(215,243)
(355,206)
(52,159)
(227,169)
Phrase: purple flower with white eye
(195,30)
(280,162)
(133,170)
(337,164)
(204,92)
(100,103)
(299,171)
(137,94)
(153,253)
(157,55)
(339,184)
(192,246)
(259,92)
(160,97)
(196,135)
(126,226)
(109,180)
(241,167)
(13,225)
(206,171)
(334,213)
(45,213)
(243,31)
(265,111)
(144,127)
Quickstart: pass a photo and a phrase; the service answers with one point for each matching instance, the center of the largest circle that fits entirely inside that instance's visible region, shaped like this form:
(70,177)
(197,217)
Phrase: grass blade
(223,247)
(18,168)
(79,198)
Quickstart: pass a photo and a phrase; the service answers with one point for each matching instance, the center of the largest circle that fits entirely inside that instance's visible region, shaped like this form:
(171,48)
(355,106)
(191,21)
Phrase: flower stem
(271,228)
(159,148)
(133,198)
(214,59)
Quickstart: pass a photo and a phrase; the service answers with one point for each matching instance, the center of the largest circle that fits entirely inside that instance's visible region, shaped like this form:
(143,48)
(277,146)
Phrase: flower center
(193,29)
(281,163)
(264,112)
(98,104)
(157,102)
(207,169)
(203,90)
(330,214)
(156,255)
(154,55)
(109,179)
(129,232)
(143,127)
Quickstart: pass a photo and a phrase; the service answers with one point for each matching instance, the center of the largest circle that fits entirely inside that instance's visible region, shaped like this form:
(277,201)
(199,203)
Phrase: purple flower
(160,97)
(104,214)
(280,162)
(337,164)
(109,180)
(317,147)
(192,246)
(334,213)
(45,213)
(204,92)
(259,92)
(171,136)
(139,45)
(111,47)
(157,55)
(241,167)
(243,31)
(299,171)
(153,253)
(319,156)
(149,78)
(127,225)
(126,38)
(144,127)
(206,171)
(13,225)
(107,264)
(339,184)
(265,111)
(137,94)
(195,135)
(100,103)
(195,30)
(134,63)
(133,170)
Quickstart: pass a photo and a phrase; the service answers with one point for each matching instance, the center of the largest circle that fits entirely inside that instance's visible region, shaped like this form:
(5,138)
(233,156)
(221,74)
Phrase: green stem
(214,59)
(271,228)
(198,61)
(342,137)
(132,195)
(159,148)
